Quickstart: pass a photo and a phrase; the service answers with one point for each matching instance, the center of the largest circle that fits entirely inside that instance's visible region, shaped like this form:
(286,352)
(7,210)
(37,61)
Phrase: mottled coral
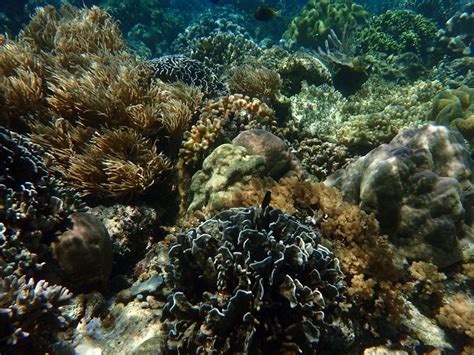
(419,187)
(312,26)
(265,284)
(458,37)
(224,118)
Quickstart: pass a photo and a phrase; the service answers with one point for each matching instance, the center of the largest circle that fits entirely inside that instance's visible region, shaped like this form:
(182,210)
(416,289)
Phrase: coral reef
(259,82)
(217,42)
(321,158)
(224,118)
(29,308)
(178,68)
(265,284)
(455,109)
(419,188)
(275,151)
(84,253)
(458,37)
(33,208)
(312,26)
(92,104)
(372,116)
(222,173)
(396,32)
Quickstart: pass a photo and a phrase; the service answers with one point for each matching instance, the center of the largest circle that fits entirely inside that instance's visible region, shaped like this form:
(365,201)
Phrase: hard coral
(396,32)
(179,68)
(318,18)
(419,186)
(252,280)
(224,118)
(455,109)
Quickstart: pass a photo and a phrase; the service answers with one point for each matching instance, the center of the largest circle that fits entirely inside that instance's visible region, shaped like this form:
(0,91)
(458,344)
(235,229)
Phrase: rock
(84,253)
(272,148)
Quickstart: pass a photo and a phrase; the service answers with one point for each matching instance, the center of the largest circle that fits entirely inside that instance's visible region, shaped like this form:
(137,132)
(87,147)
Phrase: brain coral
(420,188)
(251,280)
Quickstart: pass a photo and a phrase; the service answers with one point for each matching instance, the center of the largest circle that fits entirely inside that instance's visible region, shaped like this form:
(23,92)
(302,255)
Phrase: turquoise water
(236,176)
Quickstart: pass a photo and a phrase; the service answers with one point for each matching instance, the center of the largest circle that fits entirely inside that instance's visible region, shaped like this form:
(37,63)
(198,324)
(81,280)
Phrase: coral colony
(249,177)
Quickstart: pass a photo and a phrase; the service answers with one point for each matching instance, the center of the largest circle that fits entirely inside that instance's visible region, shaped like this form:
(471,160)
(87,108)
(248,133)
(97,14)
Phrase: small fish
(265,13)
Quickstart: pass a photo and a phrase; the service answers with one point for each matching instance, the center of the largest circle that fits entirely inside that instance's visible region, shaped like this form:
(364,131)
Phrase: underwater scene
(236,177)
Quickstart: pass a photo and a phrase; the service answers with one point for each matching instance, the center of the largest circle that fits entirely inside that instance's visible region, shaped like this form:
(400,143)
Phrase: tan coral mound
(69,80)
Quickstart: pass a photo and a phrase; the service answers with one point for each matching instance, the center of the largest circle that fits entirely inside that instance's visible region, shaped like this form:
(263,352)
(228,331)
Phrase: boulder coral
(420,188)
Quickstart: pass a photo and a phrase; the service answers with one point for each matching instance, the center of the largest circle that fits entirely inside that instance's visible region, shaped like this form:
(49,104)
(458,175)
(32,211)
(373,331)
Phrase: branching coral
(265,284)
(29,308)
(318,18)
(259,82)
(398,31)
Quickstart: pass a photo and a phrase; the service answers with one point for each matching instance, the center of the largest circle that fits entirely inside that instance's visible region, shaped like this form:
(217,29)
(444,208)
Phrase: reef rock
(222,171)
(420,188)
(272,148)
(84,253)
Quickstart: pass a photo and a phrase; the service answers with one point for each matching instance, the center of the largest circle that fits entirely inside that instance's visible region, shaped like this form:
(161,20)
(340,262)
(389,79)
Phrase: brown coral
(458,315)
(254,81)
(234,113)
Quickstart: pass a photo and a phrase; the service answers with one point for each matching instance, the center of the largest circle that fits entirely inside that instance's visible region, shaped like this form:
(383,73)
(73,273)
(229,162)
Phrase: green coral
(396,32)
(455,109)
(318,18)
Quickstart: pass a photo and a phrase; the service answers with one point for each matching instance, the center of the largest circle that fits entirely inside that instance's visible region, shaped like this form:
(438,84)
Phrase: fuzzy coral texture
(92,103)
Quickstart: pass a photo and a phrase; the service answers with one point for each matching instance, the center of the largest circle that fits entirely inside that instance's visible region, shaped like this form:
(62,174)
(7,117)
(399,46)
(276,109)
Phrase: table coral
(255,292)
(419,187)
